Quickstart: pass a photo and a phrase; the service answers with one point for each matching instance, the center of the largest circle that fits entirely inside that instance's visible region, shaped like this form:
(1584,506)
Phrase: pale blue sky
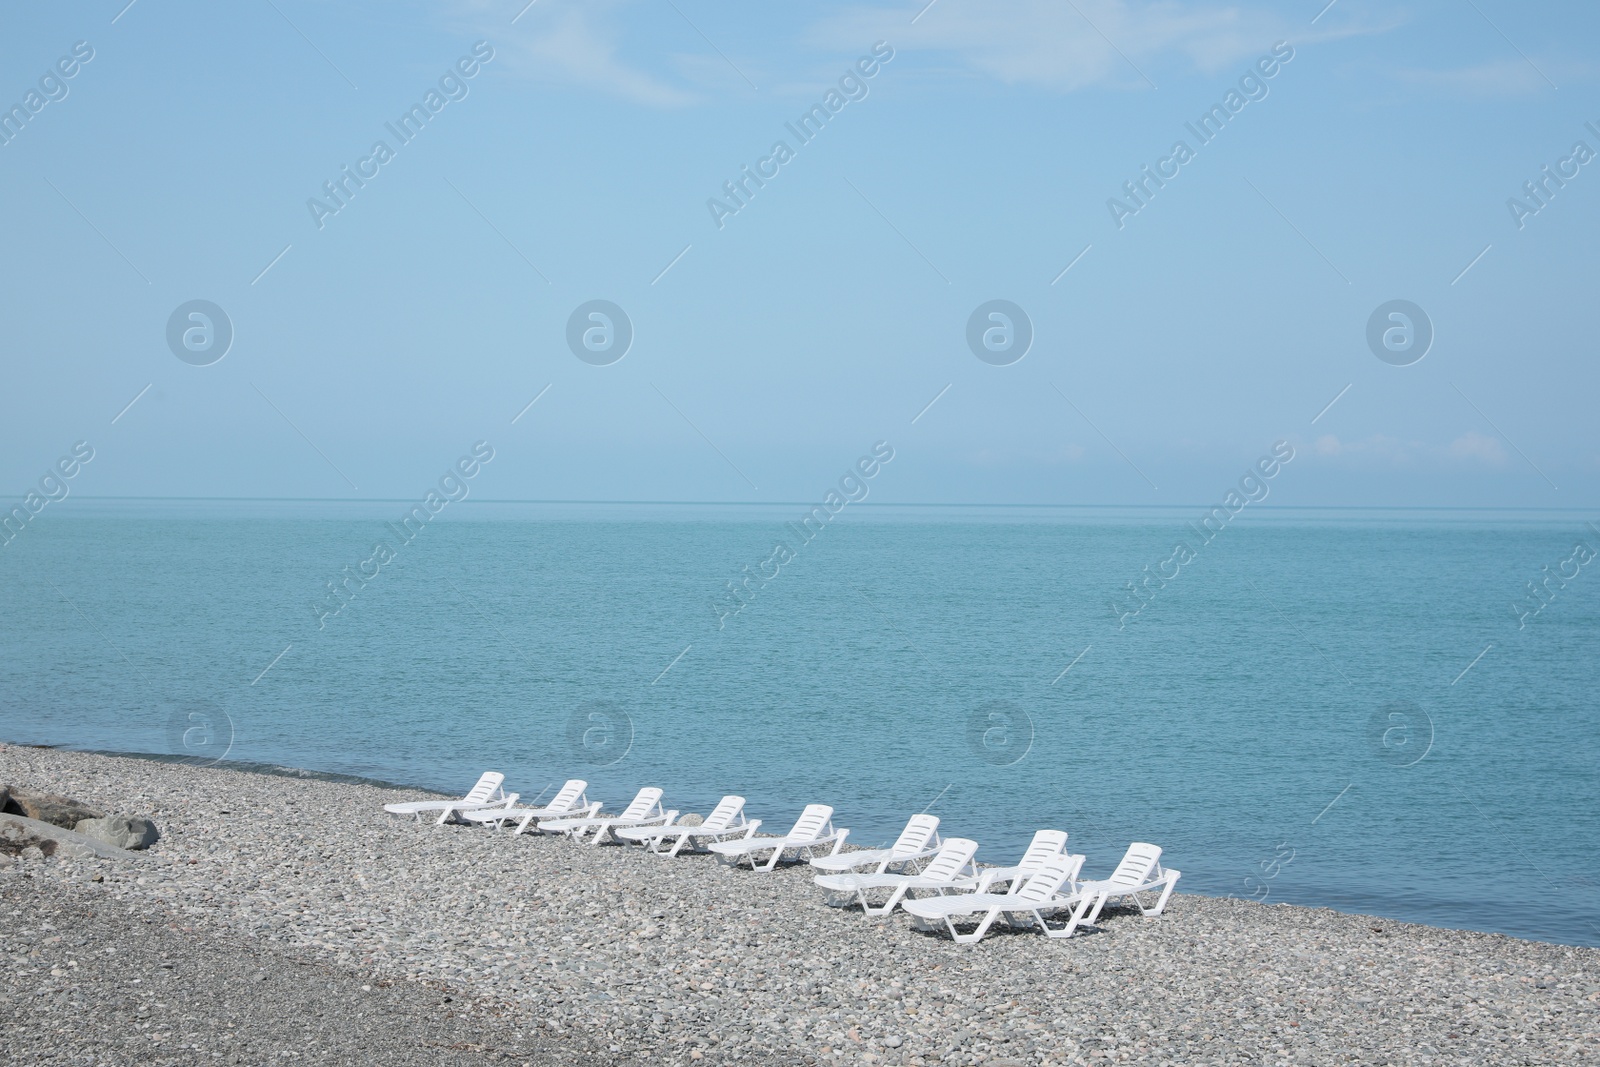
(829,311)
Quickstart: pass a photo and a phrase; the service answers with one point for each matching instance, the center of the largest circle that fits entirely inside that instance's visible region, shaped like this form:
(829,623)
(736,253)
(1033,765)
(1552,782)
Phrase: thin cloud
(1067,46)
(1044,44)
(1476,446)
(1039,43)
(1471,447)
(568,42)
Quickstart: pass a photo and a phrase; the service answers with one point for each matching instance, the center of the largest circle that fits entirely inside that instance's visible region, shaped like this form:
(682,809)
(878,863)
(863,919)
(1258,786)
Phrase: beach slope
(286,915)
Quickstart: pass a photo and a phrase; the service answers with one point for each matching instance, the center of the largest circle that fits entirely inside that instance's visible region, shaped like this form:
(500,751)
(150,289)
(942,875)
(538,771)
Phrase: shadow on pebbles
(96,980)
(283,919)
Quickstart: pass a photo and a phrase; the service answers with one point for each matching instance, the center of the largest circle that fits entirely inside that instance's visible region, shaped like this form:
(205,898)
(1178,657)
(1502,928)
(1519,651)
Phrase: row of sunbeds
(1042,885)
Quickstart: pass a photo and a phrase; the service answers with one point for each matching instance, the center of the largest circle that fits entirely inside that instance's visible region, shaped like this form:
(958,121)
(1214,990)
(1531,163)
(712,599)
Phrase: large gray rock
(19,841)
(120,831)
(691,819)
(52,840)
(51,808)
(15,839)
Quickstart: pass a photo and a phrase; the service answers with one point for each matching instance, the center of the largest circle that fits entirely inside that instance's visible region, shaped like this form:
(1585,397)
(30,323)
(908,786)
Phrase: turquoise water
(1288,718)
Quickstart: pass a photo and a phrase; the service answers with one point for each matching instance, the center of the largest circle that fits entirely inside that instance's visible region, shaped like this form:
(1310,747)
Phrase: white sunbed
(726,820)
(1046,845)
(1039,894)
(811,831)
(918,841)
(570,802)
(645,810)
(1140,871)
(486,792)
(950,867)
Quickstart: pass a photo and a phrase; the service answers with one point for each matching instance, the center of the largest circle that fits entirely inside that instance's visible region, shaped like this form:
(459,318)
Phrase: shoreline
(627,956)
(279,771)
(270,770)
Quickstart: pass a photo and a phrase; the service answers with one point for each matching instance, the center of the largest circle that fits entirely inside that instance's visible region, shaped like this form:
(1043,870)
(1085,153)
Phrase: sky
(754,345)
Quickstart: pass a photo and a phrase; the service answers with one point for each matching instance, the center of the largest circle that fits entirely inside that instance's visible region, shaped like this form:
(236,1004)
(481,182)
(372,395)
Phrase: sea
(1388,712)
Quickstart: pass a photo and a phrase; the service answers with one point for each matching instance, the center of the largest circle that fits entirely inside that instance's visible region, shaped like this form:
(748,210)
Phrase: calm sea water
(1302,715)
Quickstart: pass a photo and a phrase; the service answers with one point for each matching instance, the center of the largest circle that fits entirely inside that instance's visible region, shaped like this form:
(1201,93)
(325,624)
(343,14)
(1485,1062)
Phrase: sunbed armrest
(450,811)
(1014,877)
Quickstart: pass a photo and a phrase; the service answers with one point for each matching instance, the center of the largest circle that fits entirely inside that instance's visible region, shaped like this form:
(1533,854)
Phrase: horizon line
(809,503)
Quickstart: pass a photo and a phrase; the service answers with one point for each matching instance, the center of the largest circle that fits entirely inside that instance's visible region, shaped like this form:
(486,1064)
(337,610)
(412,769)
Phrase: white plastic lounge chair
(813,829)
(571,802)
(950,867)
(1039,894)
(486,792)
(645,810)
(1139,871)
(1046,845)
(725,821)
(918,841)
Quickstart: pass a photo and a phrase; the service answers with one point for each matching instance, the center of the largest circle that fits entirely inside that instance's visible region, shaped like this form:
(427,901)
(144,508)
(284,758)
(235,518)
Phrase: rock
(14,839)
(20,841)
(5,795)
(51,808)
(120,831)
(690,819)
(28,833)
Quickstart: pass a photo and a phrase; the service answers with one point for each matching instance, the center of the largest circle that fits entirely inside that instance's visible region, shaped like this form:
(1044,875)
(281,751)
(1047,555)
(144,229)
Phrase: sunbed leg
(886,907)
(1166,891)
(983,927)
(1073,921)
(966,939)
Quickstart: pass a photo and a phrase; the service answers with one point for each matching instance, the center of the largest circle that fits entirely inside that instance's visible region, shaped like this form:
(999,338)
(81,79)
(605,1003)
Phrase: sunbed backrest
(642,803)
(722,816)
(486,787)
(568,795)
(1045,846)
(951,859)
(811,821)
(1140,859)
(1046,882)
(915,837)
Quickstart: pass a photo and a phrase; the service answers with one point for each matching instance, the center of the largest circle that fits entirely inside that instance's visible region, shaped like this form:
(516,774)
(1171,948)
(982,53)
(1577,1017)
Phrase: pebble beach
(288,919)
